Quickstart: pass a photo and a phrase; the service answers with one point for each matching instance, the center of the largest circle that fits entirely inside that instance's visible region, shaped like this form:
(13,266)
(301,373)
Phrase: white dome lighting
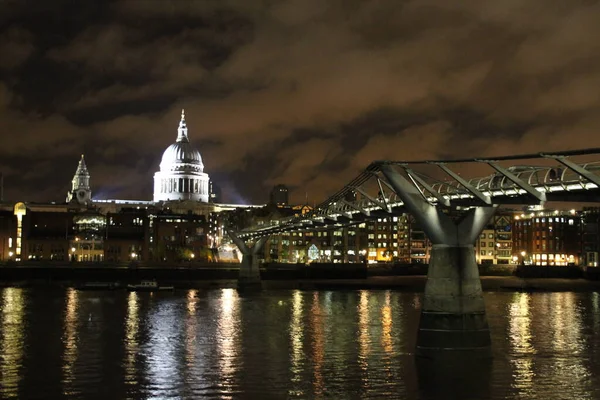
(181,175)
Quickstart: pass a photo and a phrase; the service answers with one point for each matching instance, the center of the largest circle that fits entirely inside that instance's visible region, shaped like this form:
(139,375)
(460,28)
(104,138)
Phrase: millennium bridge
(452,210)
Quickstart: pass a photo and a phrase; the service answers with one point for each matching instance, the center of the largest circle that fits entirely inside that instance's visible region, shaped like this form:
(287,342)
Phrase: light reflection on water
(132,327)
(11,345)
(71,320)
(297,340)
(285,344)
(228,340)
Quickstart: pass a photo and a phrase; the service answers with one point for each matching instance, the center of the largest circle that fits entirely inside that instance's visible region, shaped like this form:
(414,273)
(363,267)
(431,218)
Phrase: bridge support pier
(453,320)
(453,313)
(249,275)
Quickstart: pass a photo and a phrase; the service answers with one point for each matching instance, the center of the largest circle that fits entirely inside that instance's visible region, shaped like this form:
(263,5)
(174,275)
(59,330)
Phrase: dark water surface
(285,344)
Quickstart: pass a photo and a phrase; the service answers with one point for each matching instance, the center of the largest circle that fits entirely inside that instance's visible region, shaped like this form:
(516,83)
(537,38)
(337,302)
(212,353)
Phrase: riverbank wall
(300,276)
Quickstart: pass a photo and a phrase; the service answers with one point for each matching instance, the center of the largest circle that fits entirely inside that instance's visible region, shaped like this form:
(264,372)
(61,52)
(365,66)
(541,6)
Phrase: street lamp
(523,253)
(133,255)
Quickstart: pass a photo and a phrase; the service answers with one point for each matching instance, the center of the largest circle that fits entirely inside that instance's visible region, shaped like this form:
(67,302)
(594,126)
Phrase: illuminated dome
(181,175)
(180,155)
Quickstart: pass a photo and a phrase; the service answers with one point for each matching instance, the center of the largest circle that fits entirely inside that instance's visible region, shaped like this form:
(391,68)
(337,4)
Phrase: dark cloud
(302,92)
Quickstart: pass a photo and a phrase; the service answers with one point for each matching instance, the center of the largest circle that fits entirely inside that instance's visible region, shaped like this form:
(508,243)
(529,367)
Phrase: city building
(590,236)
(173,227)
(279,195)
(186,222)
(547,238)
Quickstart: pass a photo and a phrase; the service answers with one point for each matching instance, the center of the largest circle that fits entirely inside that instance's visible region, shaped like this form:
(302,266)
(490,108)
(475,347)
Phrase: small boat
(97,286)
(148,286)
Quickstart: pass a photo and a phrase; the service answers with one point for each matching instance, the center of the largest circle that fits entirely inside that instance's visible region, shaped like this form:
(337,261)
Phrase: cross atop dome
(182,130)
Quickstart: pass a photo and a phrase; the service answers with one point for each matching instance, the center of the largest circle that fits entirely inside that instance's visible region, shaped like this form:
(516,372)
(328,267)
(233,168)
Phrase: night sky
(301,92)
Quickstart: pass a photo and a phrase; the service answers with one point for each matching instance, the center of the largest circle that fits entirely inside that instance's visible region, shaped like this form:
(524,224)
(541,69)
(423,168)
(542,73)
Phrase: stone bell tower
(80,185)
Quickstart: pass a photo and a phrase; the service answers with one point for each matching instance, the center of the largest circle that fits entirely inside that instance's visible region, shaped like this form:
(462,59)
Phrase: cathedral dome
(181,175)
(181,155)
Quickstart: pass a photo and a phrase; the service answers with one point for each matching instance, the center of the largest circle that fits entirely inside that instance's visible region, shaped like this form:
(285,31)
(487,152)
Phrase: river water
(64,343)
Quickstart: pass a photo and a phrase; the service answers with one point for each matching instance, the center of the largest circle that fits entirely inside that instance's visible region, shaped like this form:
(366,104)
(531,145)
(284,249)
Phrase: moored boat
(97,286)
(148,286)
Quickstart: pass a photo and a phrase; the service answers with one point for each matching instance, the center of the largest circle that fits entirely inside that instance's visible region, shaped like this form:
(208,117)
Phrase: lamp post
(73,255)
(523,253)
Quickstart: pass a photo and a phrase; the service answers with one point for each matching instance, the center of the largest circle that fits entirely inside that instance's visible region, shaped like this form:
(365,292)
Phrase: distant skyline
(300,92)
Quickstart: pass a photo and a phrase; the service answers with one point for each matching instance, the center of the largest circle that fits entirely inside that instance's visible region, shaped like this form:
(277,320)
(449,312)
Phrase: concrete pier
(453,315)
(249,277)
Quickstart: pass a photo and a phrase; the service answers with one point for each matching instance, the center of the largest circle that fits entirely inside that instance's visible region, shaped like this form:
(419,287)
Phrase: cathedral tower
(80,185)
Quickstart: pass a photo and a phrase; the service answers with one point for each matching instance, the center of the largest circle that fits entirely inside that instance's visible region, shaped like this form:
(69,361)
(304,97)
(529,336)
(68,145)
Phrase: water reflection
(568,343)
(334,344)
(386,323)
(70,341)
(363,333)
(163,347)
(318,345)
(296,339)
(190,329)
(386,331)
(132,327)
(12,343)
(228,336)
(521,342)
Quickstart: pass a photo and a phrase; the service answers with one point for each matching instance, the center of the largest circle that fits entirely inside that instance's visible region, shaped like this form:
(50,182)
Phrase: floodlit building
(181,175)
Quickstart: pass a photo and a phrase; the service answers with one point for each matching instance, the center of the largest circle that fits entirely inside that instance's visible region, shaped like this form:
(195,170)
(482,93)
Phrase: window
(490,236)
(482,252)
(482,244)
